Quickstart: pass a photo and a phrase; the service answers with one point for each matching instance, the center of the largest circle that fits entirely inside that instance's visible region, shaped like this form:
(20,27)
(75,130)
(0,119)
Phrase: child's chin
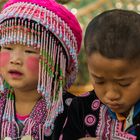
(17,86)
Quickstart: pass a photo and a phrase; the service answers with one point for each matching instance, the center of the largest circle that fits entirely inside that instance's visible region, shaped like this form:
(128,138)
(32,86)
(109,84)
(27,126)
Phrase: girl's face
(116,82)
(20,66)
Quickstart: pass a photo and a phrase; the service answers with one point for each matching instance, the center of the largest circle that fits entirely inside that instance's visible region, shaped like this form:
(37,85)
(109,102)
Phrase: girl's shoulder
(3,94)
(3,97)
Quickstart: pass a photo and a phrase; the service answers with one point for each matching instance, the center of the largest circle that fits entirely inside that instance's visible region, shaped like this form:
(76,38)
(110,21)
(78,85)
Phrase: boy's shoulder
(67,94)
(67,98)
(87,100)
(90,95)
(84,111)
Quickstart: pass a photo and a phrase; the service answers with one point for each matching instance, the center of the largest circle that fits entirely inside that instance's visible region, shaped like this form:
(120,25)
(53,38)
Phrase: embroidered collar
(136,111)
(130,119)
(33,125)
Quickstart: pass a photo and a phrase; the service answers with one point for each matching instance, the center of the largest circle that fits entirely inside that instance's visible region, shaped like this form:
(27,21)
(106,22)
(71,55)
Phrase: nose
(16,58)
(112,94)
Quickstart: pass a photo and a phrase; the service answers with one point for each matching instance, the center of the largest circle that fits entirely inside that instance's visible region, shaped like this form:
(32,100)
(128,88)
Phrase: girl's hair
(114,34)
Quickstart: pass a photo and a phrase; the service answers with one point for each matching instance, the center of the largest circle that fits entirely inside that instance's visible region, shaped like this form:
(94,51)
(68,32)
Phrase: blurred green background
(85,10)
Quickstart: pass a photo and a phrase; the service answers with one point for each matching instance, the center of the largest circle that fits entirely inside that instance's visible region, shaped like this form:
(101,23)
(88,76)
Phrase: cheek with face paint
(4,58)
(32,64)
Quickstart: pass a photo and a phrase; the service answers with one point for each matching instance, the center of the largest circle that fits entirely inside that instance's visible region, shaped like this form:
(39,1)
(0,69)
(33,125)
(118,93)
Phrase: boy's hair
(114,34)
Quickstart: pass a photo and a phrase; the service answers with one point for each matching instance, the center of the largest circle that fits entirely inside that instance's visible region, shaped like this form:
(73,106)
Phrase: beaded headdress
(50,27)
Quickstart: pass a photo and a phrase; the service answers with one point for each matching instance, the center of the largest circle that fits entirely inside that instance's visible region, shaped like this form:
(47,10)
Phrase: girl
(39,43)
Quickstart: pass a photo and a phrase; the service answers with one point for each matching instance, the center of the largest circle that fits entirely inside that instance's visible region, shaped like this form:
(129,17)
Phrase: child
(39,40)
(112,110)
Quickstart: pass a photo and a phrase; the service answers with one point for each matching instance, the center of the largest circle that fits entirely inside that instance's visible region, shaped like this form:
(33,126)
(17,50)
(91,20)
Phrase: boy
(112,110)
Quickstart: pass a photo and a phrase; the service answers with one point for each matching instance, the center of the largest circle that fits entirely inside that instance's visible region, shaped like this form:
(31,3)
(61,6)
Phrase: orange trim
(120,117)
(78,90)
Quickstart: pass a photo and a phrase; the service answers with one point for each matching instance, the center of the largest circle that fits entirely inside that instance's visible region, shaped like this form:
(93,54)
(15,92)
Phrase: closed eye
(99,82)
(30,51)
(7,48)
(124,84)
(97,79)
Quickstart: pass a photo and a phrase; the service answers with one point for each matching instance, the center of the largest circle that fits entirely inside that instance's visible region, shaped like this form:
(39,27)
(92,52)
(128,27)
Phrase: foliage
(83,76)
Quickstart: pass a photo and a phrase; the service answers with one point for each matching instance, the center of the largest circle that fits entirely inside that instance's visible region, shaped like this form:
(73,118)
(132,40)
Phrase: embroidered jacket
(87,116)
(33,125)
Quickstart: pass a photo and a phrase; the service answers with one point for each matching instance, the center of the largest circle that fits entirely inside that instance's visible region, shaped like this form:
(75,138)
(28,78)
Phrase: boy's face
(116,82)
(19,66)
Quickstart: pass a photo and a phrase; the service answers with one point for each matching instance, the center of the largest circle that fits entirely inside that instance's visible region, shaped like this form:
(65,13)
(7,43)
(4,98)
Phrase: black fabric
(75,127)
(60,120)
(137,124)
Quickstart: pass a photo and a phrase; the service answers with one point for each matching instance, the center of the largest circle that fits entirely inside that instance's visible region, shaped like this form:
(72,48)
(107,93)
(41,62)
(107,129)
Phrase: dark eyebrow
(116,79)
(96,76)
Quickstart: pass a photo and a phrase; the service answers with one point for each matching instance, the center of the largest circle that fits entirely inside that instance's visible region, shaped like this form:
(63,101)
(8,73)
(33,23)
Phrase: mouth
(15,73)
(114,106)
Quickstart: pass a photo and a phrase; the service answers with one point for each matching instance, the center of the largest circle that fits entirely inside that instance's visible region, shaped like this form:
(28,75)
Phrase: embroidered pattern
(90,120)
(95,104)
(34,125)
(110,129)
